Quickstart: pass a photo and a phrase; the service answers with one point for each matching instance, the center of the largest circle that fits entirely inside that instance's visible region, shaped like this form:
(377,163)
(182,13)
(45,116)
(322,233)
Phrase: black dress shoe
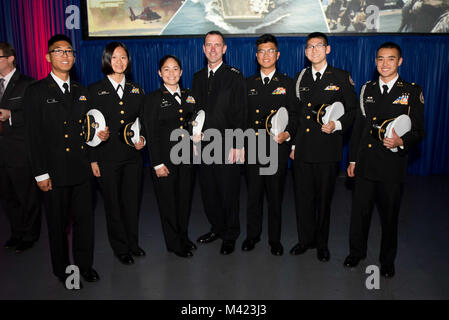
(125,258)
(207,238)
(277,249)
(352,261)
(323,254)
(227,247)
(298,249)
(138,252)
(249,244)
(23,246)
(387,270)
(191,245)
(12,243)
(90,275)
(183,253)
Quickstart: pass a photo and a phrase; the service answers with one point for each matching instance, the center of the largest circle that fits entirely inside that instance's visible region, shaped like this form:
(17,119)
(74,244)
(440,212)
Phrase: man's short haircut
(106,66)
(8,50)
(58,37)
(265,38)
(216,32)
(166,57)
(390,45)
(318,35)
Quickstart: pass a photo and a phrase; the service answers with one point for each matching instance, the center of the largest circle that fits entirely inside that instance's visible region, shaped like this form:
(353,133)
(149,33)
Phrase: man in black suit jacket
(19,196)
(57,105)
(380,172)
(268,91)
(318,148)
(220,91)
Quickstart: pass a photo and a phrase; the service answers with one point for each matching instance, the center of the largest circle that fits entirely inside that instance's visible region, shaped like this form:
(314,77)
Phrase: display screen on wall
(125,18)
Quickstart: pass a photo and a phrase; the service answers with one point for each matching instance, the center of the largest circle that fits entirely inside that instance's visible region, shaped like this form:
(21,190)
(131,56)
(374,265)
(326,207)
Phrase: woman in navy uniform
(117,165)
(167,109)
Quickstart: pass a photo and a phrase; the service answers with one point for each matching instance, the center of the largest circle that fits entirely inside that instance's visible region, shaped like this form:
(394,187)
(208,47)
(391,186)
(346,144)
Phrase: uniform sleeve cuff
(337,126)
(159,166)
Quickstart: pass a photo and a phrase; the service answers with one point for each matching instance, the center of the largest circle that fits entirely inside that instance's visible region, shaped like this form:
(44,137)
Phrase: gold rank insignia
(275,79)
(421,97)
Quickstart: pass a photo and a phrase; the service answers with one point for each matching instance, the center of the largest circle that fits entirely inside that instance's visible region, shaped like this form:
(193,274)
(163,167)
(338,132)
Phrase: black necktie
(266,80)
(211,80)
(2,88)
(118,89)
(66,88)
(318,76)
(385,92)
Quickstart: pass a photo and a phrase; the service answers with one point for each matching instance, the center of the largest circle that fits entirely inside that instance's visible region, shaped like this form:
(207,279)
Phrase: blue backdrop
(426,62)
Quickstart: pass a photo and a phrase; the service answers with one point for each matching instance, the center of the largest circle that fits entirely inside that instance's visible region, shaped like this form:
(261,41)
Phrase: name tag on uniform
(279,90)
(332,88)
(253,92)
(369,100)
(165,103)
(15,98)
(401,99)
(52,100)
(302,89)
(103,93)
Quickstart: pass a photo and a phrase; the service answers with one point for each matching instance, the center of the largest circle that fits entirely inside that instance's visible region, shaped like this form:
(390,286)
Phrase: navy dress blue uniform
(57,148)
(19,195)
(223,100)
(317,153)
(379,172)
(263,101)
(163,114)
(120,164)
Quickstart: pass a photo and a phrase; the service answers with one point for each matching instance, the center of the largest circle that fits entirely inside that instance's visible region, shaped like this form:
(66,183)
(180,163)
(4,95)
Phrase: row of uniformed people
(317,150)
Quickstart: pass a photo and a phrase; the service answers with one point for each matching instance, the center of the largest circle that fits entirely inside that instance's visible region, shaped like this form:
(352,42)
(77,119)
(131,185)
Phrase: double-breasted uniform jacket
(118,113)
(311,144)
(373,160)
(265,100)
(54,123)
(224,104)
(13,146)
(164,114)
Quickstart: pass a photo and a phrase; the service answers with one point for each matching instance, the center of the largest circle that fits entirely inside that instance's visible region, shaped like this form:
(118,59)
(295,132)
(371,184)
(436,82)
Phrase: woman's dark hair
(106,66)
(165,58)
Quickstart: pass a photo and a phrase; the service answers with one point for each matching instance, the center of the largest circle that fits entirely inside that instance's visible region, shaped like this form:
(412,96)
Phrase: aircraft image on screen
(146,15)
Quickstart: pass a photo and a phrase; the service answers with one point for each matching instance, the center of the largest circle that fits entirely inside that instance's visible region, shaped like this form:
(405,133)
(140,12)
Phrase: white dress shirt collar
(8,77)
(214,69)
(60,82)
(116,84)
(320,71)
(270,76)
(390,83)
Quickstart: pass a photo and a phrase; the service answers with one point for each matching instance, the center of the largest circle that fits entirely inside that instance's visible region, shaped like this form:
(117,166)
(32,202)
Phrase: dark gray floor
(422,265)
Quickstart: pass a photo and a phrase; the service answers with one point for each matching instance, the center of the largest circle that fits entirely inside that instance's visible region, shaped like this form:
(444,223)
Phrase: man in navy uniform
(318,148)
(267,91)
(220,91)
(56,107)
(379,172)
(19,195)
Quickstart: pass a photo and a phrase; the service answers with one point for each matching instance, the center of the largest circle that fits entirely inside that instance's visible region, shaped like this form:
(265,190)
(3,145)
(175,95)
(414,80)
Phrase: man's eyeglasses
(60,52)
(4,56)
(269,52)
(318,46)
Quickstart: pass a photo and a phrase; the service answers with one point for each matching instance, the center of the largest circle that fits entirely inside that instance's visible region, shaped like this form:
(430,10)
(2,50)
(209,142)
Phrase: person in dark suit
(220,91)
(117,165)
(167,109)
(268,91)
(19,195)
(318,148)
(56,106)
(380,173)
